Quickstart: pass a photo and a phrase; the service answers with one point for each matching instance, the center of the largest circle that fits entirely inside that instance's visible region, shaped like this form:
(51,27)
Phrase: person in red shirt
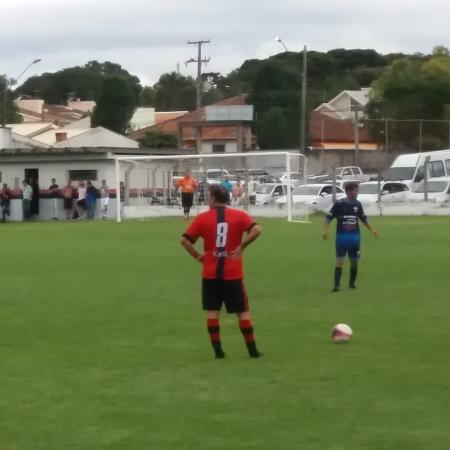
(222,230)
(188,186)
(5,201)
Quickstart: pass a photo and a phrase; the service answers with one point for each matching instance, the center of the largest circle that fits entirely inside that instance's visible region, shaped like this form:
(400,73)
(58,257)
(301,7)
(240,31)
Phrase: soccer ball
(341,333)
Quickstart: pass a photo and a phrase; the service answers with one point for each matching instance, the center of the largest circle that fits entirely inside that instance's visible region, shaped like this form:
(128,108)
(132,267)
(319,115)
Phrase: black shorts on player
(232,293)
(354,253)
(187,200)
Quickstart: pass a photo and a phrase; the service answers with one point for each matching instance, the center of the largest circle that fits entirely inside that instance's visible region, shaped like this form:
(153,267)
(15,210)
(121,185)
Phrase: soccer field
(103,343)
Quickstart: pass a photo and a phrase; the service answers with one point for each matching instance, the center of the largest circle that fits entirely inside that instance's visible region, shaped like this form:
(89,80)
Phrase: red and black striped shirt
(222,230)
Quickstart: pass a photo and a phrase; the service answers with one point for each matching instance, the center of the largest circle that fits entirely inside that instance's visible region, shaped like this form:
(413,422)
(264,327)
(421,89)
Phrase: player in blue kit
(347,212)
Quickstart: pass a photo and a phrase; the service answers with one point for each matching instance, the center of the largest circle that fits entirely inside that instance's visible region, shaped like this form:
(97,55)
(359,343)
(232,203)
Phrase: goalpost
(146,185)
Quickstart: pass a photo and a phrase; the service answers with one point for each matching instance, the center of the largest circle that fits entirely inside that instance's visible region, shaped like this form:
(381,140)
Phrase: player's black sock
(246,327)
(337,277)
(252,350)
(214,335)
(218,350)
(353,274)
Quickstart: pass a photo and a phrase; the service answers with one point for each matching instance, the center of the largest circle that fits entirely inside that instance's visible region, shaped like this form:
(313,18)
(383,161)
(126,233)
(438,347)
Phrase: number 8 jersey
(222,230)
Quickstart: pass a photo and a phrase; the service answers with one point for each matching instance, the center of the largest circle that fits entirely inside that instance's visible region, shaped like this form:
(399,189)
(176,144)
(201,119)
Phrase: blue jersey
(347,214)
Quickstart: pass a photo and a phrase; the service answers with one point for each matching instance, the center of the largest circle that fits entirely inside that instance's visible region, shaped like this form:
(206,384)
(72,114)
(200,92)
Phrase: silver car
(267,193)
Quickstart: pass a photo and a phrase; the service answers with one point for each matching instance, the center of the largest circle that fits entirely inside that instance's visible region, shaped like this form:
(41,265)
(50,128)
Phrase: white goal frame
(287,155)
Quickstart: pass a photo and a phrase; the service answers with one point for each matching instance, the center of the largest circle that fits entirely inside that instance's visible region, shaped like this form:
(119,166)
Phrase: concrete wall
(6,140)
(12,172)
(46,210)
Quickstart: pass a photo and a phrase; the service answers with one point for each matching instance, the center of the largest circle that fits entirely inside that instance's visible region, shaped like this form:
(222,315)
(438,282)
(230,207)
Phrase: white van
(409,168)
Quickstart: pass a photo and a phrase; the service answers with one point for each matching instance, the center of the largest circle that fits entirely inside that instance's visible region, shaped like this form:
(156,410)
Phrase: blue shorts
(348,245)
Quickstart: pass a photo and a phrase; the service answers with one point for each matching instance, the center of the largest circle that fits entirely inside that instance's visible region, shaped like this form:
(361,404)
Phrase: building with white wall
(342,106)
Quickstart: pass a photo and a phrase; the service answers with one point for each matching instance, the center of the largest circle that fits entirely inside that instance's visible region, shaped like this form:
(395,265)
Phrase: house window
(218,148)
(82,175)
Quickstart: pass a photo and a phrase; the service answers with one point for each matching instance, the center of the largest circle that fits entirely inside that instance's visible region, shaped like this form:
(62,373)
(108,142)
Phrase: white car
(342,183)
(295,178)
(438,191)
(391,192)
(318,196)
(351,172)
(267,193)
(216,176)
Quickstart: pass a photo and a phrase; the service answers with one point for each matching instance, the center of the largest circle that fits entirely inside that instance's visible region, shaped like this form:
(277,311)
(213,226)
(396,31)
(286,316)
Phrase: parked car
(255,173)
(295,178)
(438,191)
(318,196)
(266,194)
(341,173)
(215,176)
(323,177)
(410,168)
(342,183)
(391,192)
(352,173)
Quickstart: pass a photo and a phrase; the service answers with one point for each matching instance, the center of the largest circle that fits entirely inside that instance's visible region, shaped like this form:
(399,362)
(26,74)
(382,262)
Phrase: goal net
(262,183)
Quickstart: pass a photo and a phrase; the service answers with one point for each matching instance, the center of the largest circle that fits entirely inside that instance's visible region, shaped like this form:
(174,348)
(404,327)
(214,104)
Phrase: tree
(440,50)
(273,132)
(11,109)
(175,92)
(158,139)
(82,82)
(417,89)
(147,97)
(115,105)
(275,96)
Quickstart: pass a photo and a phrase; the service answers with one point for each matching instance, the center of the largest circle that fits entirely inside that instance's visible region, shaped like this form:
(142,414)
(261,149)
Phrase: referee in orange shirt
(188,186)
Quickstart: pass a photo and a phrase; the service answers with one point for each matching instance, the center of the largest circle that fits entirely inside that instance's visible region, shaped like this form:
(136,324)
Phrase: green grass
(103,343)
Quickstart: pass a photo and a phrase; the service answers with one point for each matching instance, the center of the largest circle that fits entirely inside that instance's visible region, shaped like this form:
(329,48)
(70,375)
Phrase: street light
(303,97)
(278,39)
(12,82)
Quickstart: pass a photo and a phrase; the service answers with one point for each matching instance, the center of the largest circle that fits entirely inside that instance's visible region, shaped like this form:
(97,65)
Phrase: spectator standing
(104,195)
(237,193)
(5,201)
(27,199)
(81,200)
(227,185)
(91,199)
(34,207)
(53,193)
(67,194)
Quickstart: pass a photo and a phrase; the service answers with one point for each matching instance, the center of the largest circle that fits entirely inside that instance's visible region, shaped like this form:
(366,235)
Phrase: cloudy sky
(148,37)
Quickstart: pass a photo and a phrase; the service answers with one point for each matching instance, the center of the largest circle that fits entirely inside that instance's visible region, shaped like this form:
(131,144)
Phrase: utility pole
(302,137)
(356,108)
(303,102)
(199,62)
(386,137)
(420,135)
(356,135)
